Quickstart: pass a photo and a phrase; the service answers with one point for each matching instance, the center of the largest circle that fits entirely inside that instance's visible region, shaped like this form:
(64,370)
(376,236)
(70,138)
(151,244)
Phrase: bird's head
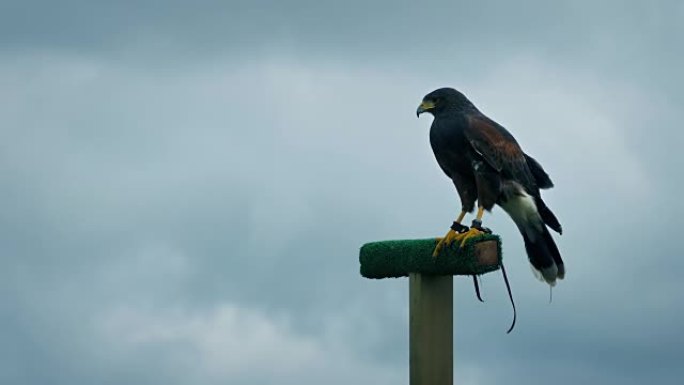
(443,100)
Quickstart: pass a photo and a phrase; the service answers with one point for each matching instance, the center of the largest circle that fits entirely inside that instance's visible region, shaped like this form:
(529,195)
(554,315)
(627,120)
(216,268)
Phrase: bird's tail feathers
(544,256)
(531,218)
(541,178)
(547,215)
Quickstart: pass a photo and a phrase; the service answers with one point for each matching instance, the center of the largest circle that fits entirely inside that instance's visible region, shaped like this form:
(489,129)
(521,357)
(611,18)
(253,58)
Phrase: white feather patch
(537,273)
(548,272)
(523,211)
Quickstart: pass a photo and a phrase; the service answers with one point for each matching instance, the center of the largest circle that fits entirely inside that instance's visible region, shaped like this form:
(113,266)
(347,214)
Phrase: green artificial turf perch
(392,259)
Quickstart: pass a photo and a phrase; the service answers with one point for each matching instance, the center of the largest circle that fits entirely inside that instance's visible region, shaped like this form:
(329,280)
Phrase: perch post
(430,294)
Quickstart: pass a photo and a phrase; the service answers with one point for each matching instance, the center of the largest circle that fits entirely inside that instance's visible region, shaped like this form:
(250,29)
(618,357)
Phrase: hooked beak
(424,107)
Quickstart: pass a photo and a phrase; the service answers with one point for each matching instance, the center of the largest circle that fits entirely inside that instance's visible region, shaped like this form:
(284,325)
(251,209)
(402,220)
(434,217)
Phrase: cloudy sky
(185,186)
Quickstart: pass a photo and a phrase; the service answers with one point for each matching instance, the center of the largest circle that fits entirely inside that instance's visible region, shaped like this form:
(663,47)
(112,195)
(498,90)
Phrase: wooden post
(431,294)
(431,350)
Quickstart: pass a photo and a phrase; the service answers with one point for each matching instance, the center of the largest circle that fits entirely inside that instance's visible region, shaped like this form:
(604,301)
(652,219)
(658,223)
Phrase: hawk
(487,165)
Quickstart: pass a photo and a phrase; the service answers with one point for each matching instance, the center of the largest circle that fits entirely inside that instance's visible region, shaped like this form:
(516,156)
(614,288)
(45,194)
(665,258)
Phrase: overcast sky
(186,185)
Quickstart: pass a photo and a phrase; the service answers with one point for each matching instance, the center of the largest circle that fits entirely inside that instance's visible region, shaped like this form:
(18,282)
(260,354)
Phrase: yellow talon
(448,239)
(452,235)
(473,232)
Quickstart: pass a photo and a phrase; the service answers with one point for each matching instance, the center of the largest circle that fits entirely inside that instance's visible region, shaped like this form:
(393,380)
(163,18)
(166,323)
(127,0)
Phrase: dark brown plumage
(487,165)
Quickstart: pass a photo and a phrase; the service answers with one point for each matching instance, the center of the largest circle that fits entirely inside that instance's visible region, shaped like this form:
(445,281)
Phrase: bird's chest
(451,148)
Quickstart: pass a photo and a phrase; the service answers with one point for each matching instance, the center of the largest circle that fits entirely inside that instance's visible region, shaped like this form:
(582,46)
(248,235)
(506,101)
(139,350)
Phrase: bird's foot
(475,230)
(454,233)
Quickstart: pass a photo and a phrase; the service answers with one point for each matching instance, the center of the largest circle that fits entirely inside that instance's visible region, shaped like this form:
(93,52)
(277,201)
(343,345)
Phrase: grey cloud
(581,33)
(249,179)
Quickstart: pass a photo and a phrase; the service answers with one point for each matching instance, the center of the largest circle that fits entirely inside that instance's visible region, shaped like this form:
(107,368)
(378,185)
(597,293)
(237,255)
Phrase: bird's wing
(499,149)
(540,176)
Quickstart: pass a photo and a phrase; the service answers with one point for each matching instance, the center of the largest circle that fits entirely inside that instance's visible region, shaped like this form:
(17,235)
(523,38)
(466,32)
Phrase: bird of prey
(487,165)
